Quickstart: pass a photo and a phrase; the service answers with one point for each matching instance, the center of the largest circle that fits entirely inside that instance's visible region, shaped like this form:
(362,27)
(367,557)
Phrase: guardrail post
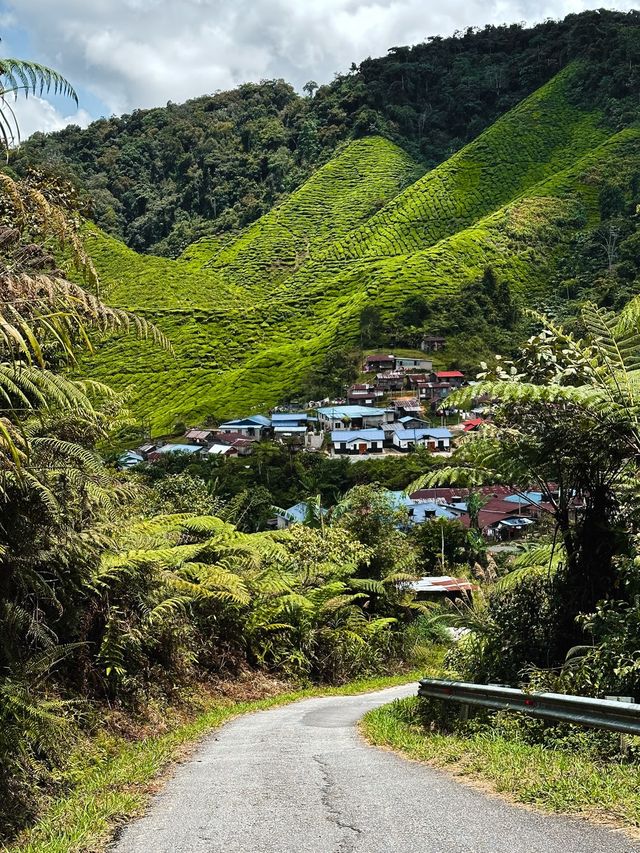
(624,739)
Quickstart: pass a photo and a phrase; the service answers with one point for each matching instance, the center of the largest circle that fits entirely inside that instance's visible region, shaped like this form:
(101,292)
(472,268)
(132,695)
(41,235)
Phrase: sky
(124,54)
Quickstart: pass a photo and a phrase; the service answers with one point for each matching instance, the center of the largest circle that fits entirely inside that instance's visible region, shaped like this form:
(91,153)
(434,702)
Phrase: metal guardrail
(608,714)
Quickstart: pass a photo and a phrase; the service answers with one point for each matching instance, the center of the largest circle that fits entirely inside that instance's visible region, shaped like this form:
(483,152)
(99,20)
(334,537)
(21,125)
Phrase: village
(392,413)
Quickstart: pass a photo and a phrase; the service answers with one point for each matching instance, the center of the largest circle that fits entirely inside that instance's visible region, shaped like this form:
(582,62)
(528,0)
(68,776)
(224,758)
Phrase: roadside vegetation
(558,769)
(565,618)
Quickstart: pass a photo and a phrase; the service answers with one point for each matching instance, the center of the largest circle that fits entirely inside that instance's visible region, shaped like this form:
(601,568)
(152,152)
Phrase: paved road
(298,779)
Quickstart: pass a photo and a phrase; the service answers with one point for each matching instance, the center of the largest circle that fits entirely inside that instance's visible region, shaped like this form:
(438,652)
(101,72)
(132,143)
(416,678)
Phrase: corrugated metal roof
(198,434)
(348,435)
(415,434)
(252,420)
(294,417)
(443,583)
(179,448)
(339,412)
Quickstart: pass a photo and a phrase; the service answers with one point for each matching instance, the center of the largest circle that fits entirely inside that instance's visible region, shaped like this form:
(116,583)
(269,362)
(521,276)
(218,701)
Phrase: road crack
(331,802)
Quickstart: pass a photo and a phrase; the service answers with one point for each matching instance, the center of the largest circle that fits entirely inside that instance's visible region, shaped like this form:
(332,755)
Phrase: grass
(555,780)
(109,779)
(251,317)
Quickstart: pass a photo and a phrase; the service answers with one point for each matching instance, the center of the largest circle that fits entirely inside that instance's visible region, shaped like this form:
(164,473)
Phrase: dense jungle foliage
(566,420)
(161,178)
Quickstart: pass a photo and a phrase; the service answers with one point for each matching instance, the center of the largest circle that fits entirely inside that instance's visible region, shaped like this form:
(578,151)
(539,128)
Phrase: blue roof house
(255,426)
(419,511)
(353,417)
(290,425)
(357,441)
(435,438)
(129,459)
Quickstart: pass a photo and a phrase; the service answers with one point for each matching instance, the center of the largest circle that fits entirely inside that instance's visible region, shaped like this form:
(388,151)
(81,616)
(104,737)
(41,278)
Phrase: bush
(517,634)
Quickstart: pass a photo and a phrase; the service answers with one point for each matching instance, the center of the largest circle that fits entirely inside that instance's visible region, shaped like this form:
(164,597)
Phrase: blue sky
(124,54)
(17,43)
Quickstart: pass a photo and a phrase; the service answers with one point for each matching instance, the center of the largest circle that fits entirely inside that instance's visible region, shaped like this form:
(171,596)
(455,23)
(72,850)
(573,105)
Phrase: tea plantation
(250,317)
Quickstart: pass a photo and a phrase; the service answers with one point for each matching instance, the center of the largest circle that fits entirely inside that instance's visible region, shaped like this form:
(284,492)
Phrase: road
(299,779)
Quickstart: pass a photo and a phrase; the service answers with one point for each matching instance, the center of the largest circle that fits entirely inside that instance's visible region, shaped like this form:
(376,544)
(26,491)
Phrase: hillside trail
(300,779)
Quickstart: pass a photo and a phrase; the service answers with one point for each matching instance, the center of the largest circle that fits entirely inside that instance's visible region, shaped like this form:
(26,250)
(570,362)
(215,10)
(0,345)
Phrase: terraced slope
(250,319)
(352,187)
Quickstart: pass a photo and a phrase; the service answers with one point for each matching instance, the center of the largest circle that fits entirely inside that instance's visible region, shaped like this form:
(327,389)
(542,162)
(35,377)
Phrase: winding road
(299,779)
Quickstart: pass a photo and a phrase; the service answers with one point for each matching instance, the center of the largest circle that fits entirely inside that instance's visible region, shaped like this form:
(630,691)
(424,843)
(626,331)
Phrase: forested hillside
(159,179)
(252,318)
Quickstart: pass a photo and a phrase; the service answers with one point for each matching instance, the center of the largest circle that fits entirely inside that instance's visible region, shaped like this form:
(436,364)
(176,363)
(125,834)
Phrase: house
(146,449)
(242,446)
(357,417)
(434,438)
(231,437)
(432,343)
(238,444)
(422,387)
(411,422)
(406,363)
(129,459)
(455,378)
(221,450)
(506,513)
(159,452)
(256,426)
(407,406)
(392,380)
(290,425)
(374,363)
(419,511)
(297,514)
(200,436)
(364,394)
(357,441)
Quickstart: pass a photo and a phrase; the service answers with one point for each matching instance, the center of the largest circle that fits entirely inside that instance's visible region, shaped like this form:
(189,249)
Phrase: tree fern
(19,77)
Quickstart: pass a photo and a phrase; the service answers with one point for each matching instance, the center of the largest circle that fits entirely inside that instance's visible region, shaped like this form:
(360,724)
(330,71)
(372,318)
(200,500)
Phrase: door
(362,448)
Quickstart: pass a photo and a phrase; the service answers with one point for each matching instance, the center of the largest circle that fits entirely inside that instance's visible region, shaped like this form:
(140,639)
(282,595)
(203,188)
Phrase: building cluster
(390,373)
(341,429)
(387,414)
(505,512)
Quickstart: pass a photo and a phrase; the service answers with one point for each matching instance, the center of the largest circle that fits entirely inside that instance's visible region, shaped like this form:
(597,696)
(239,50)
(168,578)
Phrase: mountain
(159,179)
(252,316)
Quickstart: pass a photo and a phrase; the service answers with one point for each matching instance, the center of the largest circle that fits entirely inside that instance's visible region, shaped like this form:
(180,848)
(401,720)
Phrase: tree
(441,545)
(55,493)
(371,326)
(567,422)
(310,87)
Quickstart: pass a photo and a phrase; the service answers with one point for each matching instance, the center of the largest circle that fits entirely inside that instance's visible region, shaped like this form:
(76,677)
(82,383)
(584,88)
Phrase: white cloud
(138,53)
(37,114)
